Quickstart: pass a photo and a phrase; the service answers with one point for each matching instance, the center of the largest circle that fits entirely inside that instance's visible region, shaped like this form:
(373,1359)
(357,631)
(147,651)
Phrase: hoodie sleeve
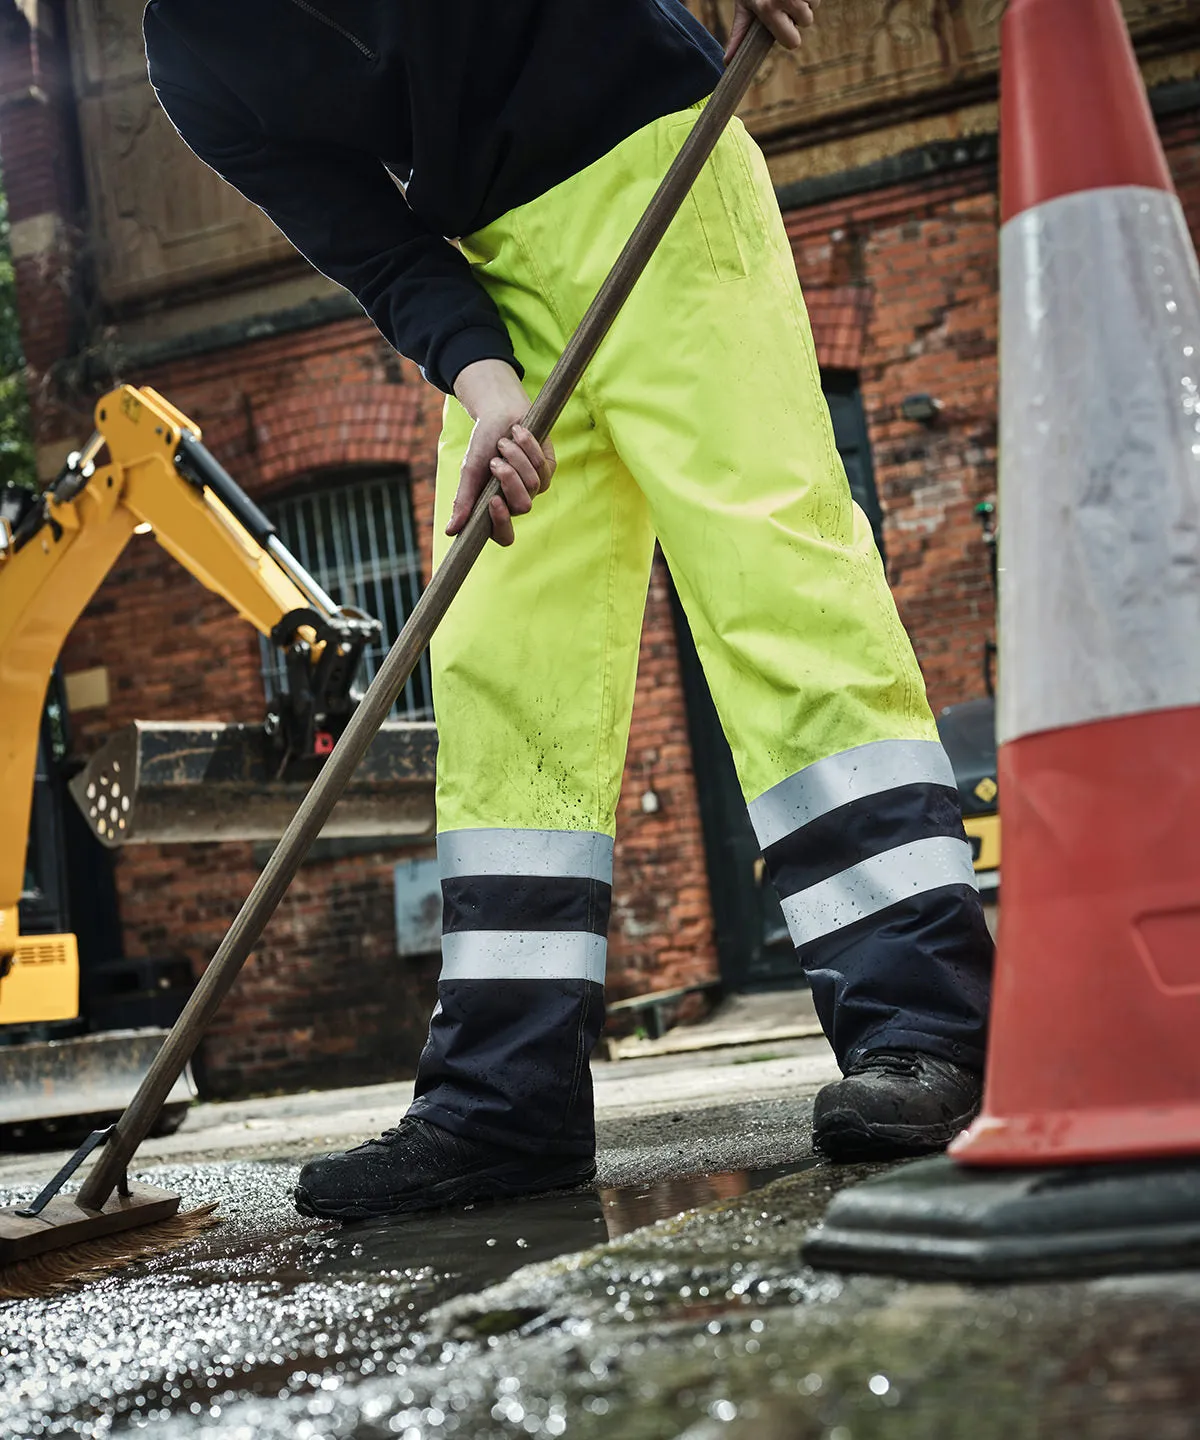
(344,213)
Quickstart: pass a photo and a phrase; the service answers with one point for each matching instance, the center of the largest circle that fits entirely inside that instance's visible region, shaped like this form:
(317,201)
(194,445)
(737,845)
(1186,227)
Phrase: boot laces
(406,1130)
(888,1062)
(423,1141)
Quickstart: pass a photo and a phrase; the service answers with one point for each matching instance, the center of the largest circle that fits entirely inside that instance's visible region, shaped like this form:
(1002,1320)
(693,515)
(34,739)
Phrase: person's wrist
(483,384)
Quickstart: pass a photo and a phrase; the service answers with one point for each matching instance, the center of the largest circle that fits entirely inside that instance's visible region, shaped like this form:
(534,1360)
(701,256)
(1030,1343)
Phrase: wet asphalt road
(682,1309)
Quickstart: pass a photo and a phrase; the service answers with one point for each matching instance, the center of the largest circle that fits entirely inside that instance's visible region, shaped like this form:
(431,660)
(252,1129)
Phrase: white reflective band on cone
(1099,461)
(872,885)
(835,781)
(573,854)
(523,955)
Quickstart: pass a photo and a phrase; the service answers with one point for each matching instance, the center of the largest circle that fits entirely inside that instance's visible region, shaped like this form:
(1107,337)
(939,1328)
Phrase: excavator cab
(45,995)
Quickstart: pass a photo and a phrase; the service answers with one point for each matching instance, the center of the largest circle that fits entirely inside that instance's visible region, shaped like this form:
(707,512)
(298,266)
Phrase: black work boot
(419,1166)
(893,1103)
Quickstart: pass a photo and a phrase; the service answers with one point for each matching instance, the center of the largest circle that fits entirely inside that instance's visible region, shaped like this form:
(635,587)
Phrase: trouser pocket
(710,202)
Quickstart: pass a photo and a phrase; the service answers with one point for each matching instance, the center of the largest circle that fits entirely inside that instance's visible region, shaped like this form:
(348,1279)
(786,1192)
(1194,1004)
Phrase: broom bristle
(58,1271)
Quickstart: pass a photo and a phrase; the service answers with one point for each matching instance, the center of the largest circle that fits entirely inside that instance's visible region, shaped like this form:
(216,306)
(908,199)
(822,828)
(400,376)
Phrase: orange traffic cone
(1095,1047)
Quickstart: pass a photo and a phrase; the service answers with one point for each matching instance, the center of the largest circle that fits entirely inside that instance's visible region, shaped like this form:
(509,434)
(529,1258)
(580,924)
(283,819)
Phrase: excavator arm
(145,469)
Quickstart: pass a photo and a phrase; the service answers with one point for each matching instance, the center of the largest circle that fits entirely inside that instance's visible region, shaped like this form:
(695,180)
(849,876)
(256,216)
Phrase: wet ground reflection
(271,1305)
(470,1249)
(629,1207)
(275,1328)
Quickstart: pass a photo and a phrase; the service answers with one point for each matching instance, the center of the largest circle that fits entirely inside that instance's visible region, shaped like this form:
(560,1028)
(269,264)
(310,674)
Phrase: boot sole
(844,1135)
(458,1190)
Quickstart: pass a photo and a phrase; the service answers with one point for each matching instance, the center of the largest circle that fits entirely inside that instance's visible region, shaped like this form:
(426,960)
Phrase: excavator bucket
(170,781)
(64,1088)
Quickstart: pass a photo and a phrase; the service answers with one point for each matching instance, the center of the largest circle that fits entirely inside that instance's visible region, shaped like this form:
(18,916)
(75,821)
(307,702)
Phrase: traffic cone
(1094,1055)
(1095,1046)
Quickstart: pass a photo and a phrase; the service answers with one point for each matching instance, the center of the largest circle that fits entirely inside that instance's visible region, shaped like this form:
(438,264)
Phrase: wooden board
(687,1039)
(64,1223)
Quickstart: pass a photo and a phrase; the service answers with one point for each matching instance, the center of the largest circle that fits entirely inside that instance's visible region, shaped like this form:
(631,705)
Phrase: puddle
(475,1247)
(276,1328)
(629,1207)
(449,1253)
(273,1306)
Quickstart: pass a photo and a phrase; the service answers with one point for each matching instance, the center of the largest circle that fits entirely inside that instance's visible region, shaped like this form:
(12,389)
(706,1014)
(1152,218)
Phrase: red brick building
(135,264)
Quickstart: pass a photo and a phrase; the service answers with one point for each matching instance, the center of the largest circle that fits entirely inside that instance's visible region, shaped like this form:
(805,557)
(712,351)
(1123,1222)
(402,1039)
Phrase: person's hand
(783,18)
(495,399)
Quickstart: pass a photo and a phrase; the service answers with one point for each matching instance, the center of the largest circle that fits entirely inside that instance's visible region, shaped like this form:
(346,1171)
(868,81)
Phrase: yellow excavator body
(983,831)
(145,470)
(42,983)
(126,478)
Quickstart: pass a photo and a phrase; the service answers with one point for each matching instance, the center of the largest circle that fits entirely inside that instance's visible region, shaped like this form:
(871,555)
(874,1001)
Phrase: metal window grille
(356,538)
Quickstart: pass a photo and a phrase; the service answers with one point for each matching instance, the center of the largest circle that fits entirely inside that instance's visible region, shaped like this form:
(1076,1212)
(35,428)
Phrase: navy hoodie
(370,130)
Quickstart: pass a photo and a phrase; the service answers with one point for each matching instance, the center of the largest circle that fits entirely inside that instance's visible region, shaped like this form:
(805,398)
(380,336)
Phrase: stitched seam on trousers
(580,1053)
(603,717)
(906,664)
(795,298)
(723,266)
(743,139)
(732,271)
(694,206)
(566,330)
(903,660)
(833,461)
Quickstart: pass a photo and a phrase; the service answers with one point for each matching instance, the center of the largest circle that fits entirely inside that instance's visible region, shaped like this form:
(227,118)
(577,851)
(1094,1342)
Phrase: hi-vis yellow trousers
(700,422)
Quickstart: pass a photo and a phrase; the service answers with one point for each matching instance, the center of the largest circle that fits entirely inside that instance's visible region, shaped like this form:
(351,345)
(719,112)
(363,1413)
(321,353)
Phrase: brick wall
(323,1001)
(901,287)
(43,183)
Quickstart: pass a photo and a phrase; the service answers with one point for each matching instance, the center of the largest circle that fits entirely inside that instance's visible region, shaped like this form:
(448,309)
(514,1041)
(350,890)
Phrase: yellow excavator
(145,470)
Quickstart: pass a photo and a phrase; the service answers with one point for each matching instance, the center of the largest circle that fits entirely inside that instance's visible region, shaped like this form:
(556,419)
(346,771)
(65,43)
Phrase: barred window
(355,536)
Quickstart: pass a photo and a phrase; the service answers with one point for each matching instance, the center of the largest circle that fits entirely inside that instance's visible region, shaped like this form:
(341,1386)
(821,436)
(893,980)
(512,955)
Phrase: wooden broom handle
(177,1049)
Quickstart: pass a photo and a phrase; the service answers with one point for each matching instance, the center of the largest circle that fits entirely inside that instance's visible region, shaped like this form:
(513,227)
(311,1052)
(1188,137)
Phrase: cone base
(1106,1134)
(933,1220)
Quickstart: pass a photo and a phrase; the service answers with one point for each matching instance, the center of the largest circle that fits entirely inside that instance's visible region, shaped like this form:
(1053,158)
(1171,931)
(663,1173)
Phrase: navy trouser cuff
(471,1127)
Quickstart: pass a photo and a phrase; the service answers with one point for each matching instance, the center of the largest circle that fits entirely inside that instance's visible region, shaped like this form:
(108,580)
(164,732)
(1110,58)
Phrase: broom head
(68,1247)
(63,1222)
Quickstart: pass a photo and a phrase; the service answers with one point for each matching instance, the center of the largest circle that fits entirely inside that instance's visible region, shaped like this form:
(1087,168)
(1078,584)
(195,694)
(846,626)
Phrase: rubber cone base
(937,1220)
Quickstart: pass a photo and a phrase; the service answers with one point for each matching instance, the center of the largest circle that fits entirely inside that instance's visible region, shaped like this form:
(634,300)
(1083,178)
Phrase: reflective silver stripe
(579,854)
(523,955)
(872,885)
(838,779)
(1099,461)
